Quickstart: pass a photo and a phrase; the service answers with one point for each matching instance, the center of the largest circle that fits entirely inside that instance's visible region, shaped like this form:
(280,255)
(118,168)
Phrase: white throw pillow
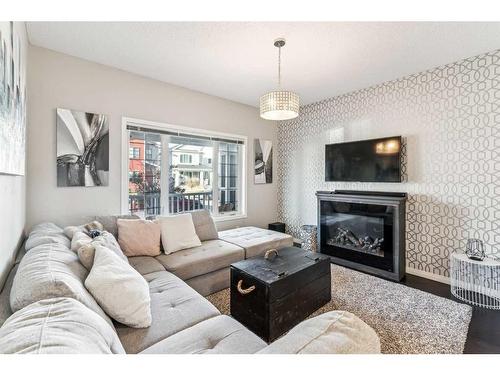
(119,289)
(178,233)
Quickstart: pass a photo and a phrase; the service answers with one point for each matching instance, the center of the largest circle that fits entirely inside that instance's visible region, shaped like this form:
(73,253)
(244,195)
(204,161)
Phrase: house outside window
(182,173)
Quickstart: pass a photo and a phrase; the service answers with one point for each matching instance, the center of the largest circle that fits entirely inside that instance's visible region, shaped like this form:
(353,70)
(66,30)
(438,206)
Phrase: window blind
(182,134)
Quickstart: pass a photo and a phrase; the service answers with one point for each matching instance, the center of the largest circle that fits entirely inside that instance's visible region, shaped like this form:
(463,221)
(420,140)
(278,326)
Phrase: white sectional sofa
(52,311)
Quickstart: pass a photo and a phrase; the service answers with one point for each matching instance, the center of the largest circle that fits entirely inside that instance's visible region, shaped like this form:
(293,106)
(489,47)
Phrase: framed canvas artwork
(12,101)
(263,161)
(82,148)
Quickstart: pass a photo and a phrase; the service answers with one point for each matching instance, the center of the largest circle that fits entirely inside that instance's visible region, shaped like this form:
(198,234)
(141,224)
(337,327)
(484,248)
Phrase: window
(184,171)
(186,158)
(144,187)
(134,152)
(228,177)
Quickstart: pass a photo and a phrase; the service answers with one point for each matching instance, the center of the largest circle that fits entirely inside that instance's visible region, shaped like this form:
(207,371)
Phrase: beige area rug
(407,320)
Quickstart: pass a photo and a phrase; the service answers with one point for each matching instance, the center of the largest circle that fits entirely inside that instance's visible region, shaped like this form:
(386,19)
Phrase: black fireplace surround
(364,230)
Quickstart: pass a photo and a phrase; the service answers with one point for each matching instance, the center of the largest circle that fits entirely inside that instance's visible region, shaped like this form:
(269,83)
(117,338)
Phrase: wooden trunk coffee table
(270,296)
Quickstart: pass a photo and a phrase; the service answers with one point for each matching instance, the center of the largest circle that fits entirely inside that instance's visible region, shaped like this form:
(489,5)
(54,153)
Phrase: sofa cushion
(256,241)
(219,335)
(139,237)
(335,332)
(119,289)
(46,233)
(109,222)
(46,228)
(211,282)
(58,326)
(174,307)
(204,225)
(210,256)
(50,271)
(5,310)
(146,265)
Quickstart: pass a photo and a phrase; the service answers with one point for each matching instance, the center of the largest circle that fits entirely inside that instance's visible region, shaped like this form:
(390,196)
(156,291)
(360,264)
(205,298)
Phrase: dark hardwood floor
(484,329)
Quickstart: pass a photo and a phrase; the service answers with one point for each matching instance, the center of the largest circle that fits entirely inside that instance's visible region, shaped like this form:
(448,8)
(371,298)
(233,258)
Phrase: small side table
(308,235)
(475,282)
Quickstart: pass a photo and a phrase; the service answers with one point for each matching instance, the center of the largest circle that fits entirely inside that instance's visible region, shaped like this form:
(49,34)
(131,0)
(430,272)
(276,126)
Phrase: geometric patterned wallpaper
(450,119)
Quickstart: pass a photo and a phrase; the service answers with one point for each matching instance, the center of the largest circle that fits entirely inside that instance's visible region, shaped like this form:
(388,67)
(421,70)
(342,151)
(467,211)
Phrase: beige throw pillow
(80,239)
(139,237)
(119,289)
(87,250)
(178,233)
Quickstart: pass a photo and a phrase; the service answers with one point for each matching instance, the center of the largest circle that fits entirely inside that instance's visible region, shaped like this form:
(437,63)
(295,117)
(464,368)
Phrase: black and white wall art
(12,101)
(82,148)
(263,161)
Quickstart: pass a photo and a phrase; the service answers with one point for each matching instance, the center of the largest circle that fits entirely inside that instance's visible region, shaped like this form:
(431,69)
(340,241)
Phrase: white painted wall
(12,203)
(58,80)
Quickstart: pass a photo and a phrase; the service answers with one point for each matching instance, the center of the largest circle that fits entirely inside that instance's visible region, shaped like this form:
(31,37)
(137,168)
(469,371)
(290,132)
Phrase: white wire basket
(475,282)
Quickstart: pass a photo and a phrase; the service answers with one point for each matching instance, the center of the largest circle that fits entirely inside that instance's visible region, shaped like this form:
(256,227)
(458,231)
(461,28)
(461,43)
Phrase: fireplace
(363,230)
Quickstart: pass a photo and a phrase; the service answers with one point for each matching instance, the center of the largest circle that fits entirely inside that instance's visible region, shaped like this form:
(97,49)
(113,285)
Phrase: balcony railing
(189,201)
(148,204)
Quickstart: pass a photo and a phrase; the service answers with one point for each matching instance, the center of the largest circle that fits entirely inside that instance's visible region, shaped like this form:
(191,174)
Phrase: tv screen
(374,160)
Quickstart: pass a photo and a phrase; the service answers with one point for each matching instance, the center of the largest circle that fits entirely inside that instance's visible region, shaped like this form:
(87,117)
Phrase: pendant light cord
(279,67)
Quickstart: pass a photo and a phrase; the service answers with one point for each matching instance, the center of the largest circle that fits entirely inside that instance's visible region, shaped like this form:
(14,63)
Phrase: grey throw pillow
(204,225)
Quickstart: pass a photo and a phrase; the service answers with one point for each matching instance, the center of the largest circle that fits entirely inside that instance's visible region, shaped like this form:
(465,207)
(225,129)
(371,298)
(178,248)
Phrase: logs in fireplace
(363,230)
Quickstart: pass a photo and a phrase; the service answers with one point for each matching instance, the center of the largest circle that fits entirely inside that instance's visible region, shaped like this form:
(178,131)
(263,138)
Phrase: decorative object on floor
(12,101)
(263,156)
(279,104)
(82,148)
(475,281)
(407,320)
(475,249)
(309,237)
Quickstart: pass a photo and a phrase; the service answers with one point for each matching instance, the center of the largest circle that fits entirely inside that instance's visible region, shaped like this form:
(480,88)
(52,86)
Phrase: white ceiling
(238,61)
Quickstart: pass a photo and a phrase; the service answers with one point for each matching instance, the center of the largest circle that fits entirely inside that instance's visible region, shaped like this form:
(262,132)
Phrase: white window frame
(153,125)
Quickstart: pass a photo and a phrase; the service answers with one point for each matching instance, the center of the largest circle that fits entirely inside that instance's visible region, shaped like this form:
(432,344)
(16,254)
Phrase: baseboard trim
(428,275)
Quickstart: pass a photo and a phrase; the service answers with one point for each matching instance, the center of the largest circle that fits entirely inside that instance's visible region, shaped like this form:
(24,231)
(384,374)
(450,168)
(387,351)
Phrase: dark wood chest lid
(289,261)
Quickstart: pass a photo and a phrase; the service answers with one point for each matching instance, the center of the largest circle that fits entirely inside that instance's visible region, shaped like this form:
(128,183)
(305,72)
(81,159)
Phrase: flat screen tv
(373,160)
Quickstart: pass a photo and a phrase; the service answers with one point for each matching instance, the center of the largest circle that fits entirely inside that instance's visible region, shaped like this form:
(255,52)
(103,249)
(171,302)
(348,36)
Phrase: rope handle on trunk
(244,291)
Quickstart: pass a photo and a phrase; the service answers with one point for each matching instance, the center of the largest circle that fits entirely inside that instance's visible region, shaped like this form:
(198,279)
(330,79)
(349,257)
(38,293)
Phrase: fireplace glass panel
(358,232)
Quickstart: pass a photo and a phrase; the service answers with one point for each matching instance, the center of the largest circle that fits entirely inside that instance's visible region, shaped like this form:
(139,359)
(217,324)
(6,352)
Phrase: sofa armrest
(335,332)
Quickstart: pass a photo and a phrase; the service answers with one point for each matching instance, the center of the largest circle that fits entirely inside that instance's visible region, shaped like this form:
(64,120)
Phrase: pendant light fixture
(279,104)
